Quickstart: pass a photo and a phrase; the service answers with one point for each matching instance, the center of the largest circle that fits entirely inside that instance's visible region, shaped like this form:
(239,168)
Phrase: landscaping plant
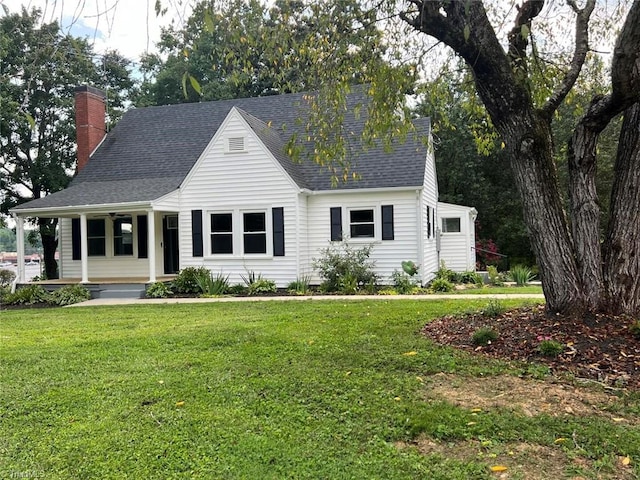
(345,268)
(484,336)
(158,290)
(212,286)
(521,274)
(186,281)
(69,294)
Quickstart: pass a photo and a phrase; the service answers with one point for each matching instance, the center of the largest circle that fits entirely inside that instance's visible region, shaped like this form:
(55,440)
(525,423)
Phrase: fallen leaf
(626,461)
(397,399)
(179,404)
(420,379)
(471,423)
(560,440)
(498,468)
(347,374)
(476,410)
(410,354)
(618,419)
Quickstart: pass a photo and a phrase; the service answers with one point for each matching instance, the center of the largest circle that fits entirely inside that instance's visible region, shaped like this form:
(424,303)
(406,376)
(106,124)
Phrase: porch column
(151,247)
(84,248)
(20,277)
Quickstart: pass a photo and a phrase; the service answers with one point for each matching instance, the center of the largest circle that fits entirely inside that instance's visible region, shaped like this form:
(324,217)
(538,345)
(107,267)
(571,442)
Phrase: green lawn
(258,390)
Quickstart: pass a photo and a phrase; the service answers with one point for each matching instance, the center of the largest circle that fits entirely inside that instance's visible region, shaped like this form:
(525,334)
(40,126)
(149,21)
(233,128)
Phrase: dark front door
(170,243)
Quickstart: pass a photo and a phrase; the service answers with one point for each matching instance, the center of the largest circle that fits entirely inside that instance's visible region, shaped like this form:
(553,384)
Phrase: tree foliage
(238,48)
(40,68)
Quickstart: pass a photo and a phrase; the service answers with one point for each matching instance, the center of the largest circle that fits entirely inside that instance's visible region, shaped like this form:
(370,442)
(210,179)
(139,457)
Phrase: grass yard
(272,390)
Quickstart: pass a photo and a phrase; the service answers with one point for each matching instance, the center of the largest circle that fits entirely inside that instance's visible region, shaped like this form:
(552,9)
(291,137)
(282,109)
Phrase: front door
(170,244)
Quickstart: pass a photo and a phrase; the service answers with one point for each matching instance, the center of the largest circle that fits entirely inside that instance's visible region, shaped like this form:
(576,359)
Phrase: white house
(210,184)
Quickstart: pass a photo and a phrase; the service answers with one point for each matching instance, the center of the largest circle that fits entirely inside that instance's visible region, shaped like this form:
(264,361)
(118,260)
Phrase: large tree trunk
(528,140)
(585,212)
(622,244)
(47,227)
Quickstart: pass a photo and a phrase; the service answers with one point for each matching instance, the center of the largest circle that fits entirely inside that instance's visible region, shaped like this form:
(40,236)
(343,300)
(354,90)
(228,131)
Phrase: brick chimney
(90,122)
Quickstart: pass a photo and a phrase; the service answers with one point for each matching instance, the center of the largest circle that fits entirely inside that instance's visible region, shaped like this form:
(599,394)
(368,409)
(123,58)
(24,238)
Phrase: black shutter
(429,231)
(75,239)
(143,237)
(336,224)
(387,222)
(196,232)
(278,231)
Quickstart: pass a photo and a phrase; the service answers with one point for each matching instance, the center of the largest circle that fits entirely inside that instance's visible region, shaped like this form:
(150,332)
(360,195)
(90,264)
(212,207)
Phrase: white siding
(457,250)
(387,254)
(251,180)
(429,198)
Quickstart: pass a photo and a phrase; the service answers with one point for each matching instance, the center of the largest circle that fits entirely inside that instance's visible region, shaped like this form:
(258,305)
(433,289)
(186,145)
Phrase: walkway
(169,301)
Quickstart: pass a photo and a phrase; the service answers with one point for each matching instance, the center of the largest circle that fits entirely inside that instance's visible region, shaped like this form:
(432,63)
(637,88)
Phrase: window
(451,225)
(123,236)
(96,237)
(361,223)
(254,232)
(221,233)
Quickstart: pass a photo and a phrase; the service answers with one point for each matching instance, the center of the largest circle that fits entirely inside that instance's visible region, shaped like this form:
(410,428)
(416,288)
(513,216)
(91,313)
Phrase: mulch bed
(596,347)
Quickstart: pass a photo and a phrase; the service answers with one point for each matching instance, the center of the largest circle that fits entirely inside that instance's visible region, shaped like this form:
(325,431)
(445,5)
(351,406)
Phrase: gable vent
(235,144)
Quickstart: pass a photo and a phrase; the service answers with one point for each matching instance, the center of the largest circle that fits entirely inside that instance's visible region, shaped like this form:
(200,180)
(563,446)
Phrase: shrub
(158,290)
(187,280)
(70,294)
(212,286)
(521,275)
(484,336)
(300,286)
(441,285)
(345,268)
(237,289)
(403,284)
(27,296)
(6,277)
(549,347)
(445,274)
(495,278)
(261,286)
(494,308)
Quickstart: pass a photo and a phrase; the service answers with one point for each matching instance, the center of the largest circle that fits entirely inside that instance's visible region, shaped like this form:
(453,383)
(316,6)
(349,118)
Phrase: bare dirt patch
(521,460)
(525,396)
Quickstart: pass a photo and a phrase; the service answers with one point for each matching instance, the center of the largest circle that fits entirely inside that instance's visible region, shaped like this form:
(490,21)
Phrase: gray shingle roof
(151,150)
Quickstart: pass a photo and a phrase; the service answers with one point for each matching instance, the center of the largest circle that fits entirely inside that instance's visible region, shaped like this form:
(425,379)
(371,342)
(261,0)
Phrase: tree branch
(518,38)
(579,56)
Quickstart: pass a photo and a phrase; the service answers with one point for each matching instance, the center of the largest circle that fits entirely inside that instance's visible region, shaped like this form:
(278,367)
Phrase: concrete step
(120,290)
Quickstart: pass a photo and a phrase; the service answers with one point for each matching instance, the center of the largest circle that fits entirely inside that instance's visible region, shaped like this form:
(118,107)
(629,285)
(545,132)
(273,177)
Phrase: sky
(129,26)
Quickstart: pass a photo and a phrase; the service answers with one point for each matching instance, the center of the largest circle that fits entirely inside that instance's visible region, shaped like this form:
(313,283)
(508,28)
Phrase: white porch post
(151,239)
(20,247)
(84,248)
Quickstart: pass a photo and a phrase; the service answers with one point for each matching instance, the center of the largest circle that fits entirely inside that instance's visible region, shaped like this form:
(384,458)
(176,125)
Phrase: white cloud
(129,26)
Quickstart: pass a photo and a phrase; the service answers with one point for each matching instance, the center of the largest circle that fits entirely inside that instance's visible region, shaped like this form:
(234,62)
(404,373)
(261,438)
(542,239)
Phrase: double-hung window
(123,236)
(361,223)
(254,228)
(221,233)
(96,237)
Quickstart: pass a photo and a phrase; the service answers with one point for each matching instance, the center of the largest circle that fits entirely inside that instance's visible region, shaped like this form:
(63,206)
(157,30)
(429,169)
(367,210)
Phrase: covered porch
(114,244)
